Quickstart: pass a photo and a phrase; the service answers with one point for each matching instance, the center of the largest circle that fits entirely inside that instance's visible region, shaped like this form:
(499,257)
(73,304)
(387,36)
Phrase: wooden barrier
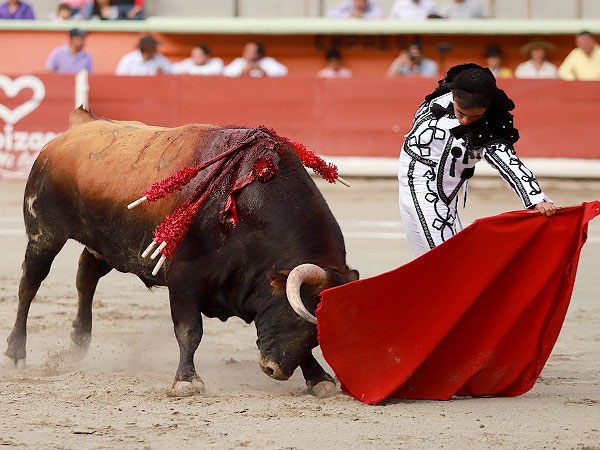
(355,117)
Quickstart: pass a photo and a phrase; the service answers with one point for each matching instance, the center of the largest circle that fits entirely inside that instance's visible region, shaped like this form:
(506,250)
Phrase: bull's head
(287,338)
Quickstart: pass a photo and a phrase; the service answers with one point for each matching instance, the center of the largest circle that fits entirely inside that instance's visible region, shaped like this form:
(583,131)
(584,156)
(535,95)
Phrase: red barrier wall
(356,117)
(33,110)
(347,117)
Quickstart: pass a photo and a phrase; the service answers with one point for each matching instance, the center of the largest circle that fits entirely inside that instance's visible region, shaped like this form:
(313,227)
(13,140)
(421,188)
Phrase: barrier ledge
(313,25)
(542,167)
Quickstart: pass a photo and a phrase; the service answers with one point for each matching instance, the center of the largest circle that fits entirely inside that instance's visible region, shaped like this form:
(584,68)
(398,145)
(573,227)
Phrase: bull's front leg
(319,382)
(187,320)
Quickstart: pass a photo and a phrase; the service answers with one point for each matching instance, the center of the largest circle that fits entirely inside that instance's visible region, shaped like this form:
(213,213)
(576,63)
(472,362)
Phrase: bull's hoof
(186,388)
(80,341)
(76,352)
(11,363)
(322,389)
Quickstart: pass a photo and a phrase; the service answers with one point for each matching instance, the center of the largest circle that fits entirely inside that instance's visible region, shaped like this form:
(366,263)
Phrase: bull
(257,270)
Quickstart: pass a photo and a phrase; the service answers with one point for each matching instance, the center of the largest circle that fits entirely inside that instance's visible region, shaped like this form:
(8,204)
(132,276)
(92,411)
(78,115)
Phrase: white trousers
(426,219)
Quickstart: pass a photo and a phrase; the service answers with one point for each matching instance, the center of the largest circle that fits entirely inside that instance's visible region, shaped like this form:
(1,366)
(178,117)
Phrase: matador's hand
(545,208)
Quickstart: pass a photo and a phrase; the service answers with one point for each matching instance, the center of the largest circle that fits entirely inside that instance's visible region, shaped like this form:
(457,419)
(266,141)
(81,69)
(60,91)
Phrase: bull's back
(82,181)
(102,162)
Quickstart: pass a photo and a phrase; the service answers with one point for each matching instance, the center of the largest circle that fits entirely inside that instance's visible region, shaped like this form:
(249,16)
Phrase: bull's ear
(354,275)
(278,281)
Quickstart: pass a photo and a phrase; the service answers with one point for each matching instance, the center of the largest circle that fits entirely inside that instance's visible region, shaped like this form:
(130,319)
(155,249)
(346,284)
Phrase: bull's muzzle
(272,369)
(304,273)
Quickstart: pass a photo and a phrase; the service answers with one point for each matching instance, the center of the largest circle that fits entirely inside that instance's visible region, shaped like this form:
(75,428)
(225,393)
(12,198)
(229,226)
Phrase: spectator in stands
(103,10)
(254,63)
(362,9)
(16,9)
(493,57)
(199,63)
(413,10)
(71,58)
(129,9)
(80,9)
(64,12)
(145,60)
(583,63)
(334,67)
(412,62)
(462,9)
(537,65)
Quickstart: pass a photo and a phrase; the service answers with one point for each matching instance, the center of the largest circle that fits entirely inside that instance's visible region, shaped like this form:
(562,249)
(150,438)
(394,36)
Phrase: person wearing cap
(71,57)
(199,63)
(583,63)
(493,57)
(145,60)
(412,62)
(536,66)
(16,9)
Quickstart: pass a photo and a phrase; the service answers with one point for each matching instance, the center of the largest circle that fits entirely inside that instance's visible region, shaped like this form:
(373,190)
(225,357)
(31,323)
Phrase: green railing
(311,26)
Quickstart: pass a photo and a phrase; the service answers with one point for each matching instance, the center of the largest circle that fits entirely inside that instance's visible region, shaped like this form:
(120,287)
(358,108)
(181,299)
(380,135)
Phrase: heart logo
(12,87)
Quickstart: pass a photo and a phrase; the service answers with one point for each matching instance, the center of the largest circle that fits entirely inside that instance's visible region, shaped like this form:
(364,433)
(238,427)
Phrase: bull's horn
(304,273)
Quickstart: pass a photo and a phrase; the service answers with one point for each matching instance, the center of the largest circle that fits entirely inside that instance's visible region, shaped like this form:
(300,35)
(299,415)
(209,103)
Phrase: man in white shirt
(361,9)
(462,9)
(254,63)
(144,61)
(413,10)
(537,66)
(334,68)
(199,63)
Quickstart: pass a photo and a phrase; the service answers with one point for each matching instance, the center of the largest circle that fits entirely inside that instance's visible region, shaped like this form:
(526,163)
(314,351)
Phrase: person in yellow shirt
(583,63)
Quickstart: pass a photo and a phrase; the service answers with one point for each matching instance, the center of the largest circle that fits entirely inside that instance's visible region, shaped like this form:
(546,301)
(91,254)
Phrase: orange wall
(367,56)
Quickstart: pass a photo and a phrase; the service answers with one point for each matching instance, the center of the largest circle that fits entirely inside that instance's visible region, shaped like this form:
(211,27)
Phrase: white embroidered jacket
(433,157)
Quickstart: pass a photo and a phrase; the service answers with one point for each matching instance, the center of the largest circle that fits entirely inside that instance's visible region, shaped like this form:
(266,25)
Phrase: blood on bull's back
(114,161)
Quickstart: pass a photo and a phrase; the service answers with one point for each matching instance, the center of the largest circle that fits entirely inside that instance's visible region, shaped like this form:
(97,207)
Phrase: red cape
(477,315)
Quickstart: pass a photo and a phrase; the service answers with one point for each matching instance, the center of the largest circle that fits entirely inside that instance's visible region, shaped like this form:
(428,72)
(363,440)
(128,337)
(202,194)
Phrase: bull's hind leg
(38,259)
(187,320)
(319,382)
(91,268)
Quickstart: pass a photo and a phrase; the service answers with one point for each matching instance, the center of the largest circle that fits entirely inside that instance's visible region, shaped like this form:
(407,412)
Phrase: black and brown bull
(79,188)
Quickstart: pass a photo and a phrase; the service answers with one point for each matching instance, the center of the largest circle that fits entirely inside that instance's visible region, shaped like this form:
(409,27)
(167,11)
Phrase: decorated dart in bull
(174,227)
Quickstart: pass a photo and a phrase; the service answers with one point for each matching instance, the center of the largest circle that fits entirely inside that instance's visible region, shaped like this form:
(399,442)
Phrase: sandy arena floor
(116,397)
